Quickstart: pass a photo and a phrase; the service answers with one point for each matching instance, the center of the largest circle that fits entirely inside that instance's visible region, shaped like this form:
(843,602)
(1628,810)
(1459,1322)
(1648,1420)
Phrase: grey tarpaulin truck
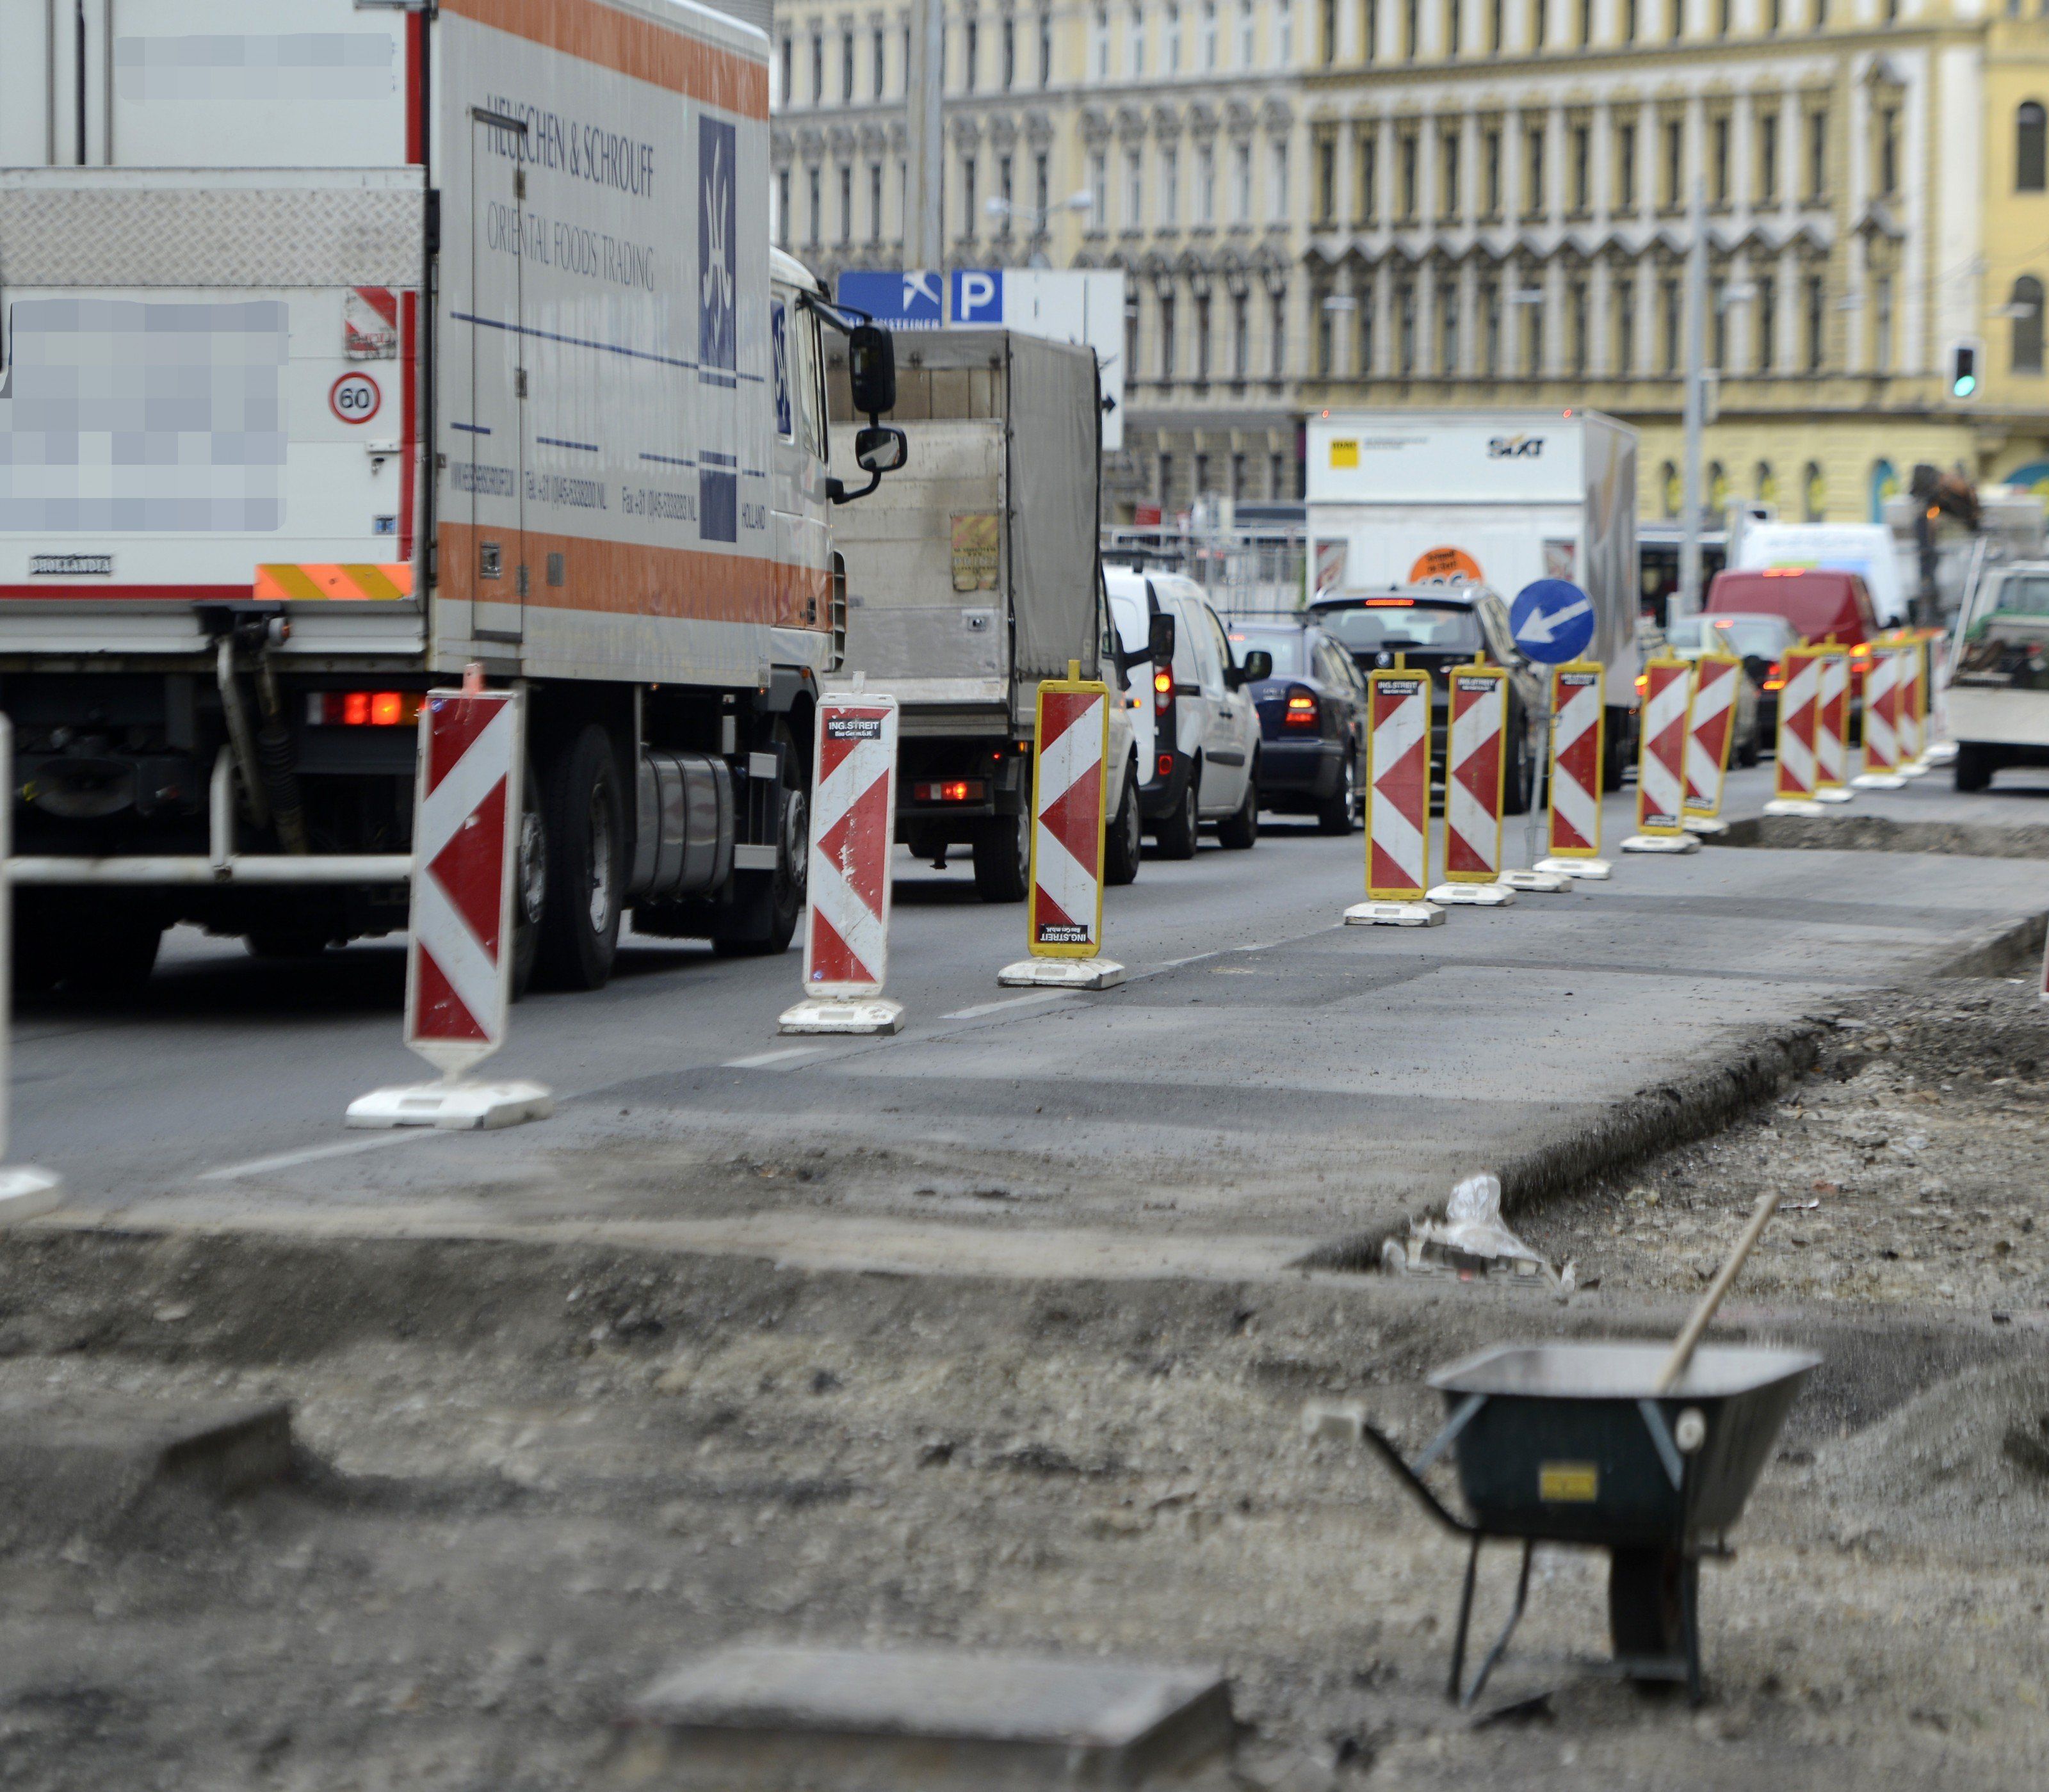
(974,574)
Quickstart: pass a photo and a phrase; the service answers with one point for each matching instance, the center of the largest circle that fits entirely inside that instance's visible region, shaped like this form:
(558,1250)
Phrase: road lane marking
(1009,1004)
(761,1060)
(313,1154)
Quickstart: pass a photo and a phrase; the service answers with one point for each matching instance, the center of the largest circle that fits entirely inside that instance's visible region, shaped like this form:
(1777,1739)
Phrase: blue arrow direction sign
(1552,620)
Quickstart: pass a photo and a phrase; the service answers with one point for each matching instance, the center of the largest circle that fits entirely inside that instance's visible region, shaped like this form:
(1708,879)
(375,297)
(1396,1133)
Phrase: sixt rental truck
(344,344)
(975,576)
(1494,497)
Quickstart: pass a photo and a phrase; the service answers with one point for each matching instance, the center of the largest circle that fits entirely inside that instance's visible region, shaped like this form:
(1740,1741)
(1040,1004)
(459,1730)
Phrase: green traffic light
(1965,385)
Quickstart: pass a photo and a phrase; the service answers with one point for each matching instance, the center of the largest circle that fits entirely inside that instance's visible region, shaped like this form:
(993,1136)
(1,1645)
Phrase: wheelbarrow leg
(1514,1617)
(1465,1622)
(1689,1626)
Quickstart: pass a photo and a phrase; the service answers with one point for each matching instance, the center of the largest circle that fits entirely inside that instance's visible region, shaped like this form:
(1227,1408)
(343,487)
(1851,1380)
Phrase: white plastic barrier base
(1707,827)
(846,1014)
(1062,973)
(1940,752)
(1915,768)
(1834,793)
(1662,843)
(1793,806)
(1540,883)
(27,1194)
(1472,895)
(1394,915)
(1879,781)
(454,1106)
(1593,870)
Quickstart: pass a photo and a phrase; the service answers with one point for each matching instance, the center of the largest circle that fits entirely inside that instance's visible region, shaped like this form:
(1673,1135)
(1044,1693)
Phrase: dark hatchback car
(1434,628)
(1312,723)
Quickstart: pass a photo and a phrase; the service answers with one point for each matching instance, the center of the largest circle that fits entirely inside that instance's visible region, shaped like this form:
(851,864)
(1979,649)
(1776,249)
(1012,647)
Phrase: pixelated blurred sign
(974,550)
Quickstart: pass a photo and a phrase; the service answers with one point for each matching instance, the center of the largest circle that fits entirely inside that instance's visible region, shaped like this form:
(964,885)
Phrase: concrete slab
(79,1463)
(764,1717)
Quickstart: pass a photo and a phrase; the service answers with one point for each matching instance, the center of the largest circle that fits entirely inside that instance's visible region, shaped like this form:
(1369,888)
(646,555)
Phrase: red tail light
(1301,711)
(954,790)
(363,708)
(1166,765)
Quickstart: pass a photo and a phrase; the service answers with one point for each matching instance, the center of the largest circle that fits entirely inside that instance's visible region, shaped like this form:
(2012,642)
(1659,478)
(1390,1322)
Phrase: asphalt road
(1267,1079)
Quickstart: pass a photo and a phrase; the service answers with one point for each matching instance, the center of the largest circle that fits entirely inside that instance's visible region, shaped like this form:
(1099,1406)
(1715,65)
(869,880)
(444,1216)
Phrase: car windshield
(1397,623)
(1289,647)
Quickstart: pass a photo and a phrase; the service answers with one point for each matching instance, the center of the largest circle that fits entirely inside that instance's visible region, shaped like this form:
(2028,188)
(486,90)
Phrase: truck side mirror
(879,450)
(1258,664)
(1160,639)
(871,366)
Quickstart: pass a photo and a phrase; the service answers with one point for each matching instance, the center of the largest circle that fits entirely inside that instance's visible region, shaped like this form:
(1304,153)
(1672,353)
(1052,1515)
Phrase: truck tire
(1125,841)
(584,816)
(768,916)
(1003,858)
(1239,829)
(1176,834)
(1973,765)
(530,883)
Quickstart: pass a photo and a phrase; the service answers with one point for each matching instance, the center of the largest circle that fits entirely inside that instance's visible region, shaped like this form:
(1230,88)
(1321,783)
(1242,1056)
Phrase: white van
(1197,741)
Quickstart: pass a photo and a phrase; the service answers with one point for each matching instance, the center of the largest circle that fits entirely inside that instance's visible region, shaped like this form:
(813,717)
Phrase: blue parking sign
(977,295)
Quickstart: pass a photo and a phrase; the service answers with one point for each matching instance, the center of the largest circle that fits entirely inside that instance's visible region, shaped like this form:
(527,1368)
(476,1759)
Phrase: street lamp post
(1037,217)
(1686,601)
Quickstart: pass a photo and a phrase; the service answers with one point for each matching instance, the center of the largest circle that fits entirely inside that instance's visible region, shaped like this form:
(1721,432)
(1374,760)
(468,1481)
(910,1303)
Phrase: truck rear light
(363,708)
(1301,710)
(952,790)
(1166,765)
(1163,682)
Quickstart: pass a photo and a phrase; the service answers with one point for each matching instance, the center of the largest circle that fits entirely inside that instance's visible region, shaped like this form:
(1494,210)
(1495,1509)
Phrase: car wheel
(1177,832)
(1240,829)
(1003,858)
(1973,765)
(584,824)
(1125,843)
(1335,814)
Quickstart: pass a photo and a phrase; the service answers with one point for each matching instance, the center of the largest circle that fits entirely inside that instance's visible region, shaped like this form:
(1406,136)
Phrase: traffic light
(1963,370)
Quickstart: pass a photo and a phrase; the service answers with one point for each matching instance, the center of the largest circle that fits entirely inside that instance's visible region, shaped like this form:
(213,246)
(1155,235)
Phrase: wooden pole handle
(1689,1339)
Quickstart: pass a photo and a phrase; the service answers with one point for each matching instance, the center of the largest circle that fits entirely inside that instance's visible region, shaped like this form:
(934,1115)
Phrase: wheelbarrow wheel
(1649,1592)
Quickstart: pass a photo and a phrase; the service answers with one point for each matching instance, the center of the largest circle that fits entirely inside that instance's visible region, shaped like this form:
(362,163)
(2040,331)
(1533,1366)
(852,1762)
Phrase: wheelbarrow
(1645,1450)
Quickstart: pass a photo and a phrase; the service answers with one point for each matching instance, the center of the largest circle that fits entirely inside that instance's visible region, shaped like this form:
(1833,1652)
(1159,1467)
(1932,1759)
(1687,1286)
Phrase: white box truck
(1494,497)
(342,345)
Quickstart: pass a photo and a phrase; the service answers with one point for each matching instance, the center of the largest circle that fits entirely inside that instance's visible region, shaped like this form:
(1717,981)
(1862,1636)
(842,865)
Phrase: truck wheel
(1240,829)
(1335,814)
(1973,765)
(1645,1589)
(530,885)
(1126,841)
(1176,834)
(774,910)
(1003,858)
(586,827)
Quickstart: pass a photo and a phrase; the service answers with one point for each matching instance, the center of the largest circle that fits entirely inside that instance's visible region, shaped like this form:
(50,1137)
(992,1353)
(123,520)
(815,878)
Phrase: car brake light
(1301,709)
(1166,765)
(363,708)
(1861,650)
(1390,603)
(1163,682)
(954,790)
(1642,682)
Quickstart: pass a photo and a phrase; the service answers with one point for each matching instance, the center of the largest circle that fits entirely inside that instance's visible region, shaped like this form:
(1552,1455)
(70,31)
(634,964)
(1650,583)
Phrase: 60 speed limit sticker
(355,398)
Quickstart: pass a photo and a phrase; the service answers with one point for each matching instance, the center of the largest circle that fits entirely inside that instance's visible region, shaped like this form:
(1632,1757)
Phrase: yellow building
(1483,202)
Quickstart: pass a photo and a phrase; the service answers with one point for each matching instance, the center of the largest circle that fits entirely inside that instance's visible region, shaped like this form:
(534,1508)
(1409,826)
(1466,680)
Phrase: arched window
(1814,493)
(1884,483)
(2030,149)
(2025,307)
(1767,484)
(1668,484)
(1718,486)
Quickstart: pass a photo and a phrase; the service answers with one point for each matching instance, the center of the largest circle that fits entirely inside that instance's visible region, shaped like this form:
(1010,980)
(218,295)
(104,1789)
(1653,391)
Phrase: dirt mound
(1969,1456)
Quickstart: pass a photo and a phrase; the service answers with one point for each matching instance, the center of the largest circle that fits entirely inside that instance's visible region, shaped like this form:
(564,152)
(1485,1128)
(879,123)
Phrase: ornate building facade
(1325,203)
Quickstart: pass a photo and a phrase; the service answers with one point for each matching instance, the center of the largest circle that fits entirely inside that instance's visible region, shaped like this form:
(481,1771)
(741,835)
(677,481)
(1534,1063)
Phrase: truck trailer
(1499,499)
(344,346)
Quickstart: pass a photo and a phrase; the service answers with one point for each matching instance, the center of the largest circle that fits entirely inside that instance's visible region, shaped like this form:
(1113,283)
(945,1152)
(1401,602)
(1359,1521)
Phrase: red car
(1820,604)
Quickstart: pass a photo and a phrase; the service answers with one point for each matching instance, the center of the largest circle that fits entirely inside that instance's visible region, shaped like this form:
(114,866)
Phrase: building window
(878,65)
(812,179)
(1820,14)
(1533,192)
(1241,183)
(1247,49)
(1491,155)
(1280,180)
(1625,166)
(1586,22)
(1719,139)
(1766,483)
(817,67)
(1668,486)
(1240,331)
(1276,482)
(847,67)
(1327,50)
(1675,19)
(2023,306)
(1818,154)
(1166,481)
(1447,326)
(1099,43)
(1675,162)
(967,197)
(1009,54)
(1718,306)
(1406,144)
(1767,158)
(2031,150)
(875,202)
(1818,314)
(1532,333)
(1625,326)
(1455,27)
(1005,192)
(1202,359)
(1881,314)
(1042,189)
(1814,493)
(1045,50)
(1405,329)
(1134,46)
(784,96)
(1490,329)
(1722,10)
(1279,347)
(783,208)
(1539,22)
(1582,168)
(1367,147)
(1449,197)
(971,54)
(1170,181)
(1766,311)
(1576,313)
(1205,186)
(1718,486)
(1098,192)
(1285,15)
(1237,477)
(1327,179)
(1412,29)
(1131,361)
(1365,343)
(1669,303)
(1321,301)
(1134,192)
(1889,151)
(1496,25)
(1771,17)
(1629,21)
(846,203)
(1173,37)
(1167,336)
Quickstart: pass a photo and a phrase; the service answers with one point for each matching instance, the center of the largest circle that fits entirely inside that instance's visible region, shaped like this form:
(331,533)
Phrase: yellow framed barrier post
(1578,735)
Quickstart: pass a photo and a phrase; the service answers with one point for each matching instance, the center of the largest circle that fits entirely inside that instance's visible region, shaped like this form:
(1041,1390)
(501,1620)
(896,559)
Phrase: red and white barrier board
(1881,722)
(1474,772)
(1710,726)
(459,958)
(1913,704)
(1798,773)
(24,1192)
(1397,803)
(1063,918)
(1577,735)
(1832,727)
(854,822)
(1661,765)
